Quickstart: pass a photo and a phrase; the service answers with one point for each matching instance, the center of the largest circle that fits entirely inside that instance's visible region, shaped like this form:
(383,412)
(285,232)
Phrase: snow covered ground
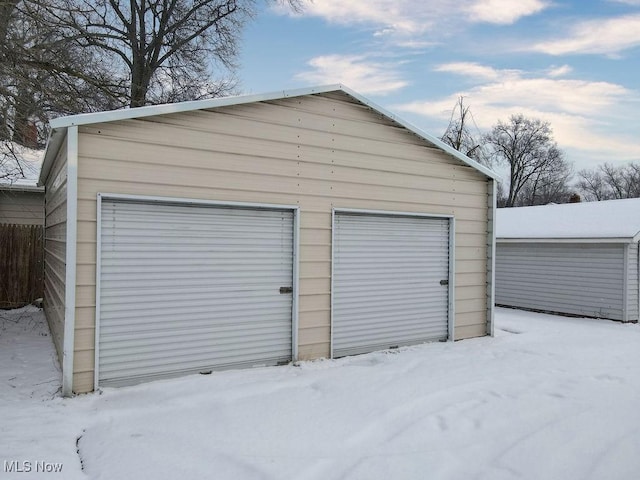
(547,398)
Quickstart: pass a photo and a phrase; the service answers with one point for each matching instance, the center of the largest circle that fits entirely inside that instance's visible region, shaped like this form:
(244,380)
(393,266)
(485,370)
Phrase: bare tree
(165,50)
(458,133)
(71,56)
(592,185)
(607,182)
(550,184)
(527,147)
(42,74)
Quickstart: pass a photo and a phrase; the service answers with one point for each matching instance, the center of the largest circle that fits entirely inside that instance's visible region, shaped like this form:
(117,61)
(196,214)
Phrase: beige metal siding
(317,152)
(21,208)
(55,247)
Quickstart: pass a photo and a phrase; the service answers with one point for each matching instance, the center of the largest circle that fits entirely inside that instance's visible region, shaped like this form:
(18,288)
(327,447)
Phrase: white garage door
(190,288)
(390,281)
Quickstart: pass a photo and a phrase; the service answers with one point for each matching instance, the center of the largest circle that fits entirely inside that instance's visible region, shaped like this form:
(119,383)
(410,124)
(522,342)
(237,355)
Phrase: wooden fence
(21,264)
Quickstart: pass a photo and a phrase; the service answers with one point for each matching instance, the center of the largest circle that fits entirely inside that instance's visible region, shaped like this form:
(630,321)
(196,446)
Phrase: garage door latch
(444,282)
(284,290)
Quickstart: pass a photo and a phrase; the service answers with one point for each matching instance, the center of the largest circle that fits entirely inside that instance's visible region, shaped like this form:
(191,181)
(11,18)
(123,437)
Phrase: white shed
(577,258)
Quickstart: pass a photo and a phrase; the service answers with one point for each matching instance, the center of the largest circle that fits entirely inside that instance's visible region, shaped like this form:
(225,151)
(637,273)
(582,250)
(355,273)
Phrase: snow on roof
(610,219)
(31,162)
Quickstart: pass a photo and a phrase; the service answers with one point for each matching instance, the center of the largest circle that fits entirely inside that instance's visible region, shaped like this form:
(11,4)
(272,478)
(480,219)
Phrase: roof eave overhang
(54,142)
(13,187)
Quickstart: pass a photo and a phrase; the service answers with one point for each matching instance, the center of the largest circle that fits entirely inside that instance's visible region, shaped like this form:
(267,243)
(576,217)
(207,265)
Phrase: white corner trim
(332,273)
(451,321)
(70,273)
(491,263)
(296,285)
(625,284)
(96,363)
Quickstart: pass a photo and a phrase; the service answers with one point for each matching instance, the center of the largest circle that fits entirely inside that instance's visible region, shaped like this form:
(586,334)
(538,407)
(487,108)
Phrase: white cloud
(587,117)
(470,69)
(388,16)
(504,11)
(414,17)
(355,71)
(559,71)
(608,37)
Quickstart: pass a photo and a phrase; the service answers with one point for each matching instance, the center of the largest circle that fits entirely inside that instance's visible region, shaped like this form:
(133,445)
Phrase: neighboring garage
(21,243)
(577,259)
(21,204)
(257,230)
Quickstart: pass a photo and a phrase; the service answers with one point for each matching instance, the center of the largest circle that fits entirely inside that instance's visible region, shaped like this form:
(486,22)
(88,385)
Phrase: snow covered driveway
(548,397)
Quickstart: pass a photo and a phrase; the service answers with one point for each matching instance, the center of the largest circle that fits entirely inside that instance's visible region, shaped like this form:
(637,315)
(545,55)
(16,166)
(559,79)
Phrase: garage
(391,281)
(254,230)
(189,288)
(576,259)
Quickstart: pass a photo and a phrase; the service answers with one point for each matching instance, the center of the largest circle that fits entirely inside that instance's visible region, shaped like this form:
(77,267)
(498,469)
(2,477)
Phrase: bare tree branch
(526,146)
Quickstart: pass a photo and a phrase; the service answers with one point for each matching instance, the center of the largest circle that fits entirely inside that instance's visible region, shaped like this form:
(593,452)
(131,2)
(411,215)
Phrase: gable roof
(60,125)
(609,220)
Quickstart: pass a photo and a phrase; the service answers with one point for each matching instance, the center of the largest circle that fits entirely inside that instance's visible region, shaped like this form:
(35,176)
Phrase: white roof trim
(17,187)
(63,123)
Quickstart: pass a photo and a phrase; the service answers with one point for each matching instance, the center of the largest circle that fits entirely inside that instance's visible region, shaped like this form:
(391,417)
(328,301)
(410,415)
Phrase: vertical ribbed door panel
(186,288)
(390,281)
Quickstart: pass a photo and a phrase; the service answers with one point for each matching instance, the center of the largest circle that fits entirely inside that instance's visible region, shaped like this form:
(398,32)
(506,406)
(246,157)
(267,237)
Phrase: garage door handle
(284,290)
(444,282)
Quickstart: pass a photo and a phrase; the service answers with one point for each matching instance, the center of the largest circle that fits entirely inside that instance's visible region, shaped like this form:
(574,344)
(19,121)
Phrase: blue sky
(573,63)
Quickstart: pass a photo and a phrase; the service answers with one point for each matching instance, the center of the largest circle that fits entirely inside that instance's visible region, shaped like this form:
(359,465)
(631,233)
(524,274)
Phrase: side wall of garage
(55,234)
(317,152)
(579,279)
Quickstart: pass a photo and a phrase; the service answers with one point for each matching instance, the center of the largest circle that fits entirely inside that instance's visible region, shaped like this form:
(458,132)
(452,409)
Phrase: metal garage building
(255,231)
(578,258)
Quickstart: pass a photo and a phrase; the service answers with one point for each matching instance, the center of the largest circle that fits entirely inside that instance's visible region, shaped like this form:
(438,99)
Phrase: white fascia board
(152,110)
(568,240)
(16,187)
